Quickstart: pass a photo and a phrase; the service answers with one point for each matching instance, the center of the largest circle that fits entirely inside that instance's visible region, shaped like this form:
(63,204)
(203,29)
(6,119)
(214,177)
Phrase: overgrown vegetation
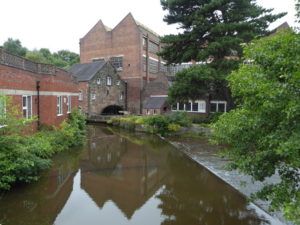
(23,157)
(62,59)
(163,125)
(264,130)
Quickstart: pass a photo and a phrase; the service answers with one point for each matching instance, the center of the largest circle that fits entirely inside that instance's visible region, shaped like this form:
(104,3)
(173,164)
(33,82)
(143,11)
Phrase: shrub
(23,157)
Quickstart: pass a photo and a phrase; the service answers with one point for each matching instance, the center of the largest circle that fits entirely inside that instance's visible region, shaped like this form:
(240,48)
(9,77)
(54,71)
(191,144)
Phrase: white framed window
(69,99)
(108,80)
(93,96)
(59,106)
(118,82)
(98,81)
(202,106)
(196,106)
(27,106)
(80,95)
(218,106)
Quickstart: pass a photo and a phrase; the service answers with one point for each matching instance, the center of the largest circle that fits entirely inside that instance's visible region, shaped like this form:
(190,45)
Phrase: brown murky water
(122,178)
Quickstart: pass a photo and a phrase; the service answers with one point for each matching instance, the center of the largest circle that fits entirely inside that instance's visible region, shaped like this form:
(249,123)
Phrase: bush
(200,120)
(162,125)
(23,157)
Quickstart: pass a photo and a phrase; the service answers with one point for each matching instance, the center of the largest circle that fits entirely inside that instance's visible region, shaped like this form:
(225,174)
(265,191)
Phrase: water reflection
(123,178)
(39,203)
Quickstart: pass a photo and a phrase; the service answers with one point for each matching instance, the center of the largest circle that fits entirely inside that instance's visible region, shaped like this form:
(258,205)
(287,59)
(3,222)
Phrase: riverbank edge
(262,205)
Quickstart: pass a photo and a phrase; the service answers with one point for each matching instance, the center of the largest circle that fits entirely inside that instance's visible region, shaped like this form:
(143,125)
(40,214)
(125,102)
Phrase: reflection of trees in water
(194,196)
(39,203)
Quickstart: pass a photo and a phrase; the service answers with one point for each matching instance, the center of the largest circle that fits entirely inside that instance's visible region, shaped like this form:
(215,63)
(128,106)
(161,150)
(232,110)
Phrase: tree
(36,56)
(264,131)
(214,29)
(297,6)
(62,59)
(14,47)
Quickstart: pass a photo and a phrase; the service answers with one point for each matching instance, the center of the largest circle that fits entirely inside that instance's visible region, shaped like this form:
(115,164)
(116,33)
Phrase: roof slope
(86,71)
(155,102)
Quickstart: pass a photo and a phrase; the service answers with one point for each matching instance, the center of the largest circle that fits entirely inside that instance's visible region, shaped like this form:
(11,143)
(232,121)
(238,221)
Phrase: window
(153,64)
(202,107)
(118,82)
(108,81)
(218,106)
(174,107)
(80,96)
(117,62)
(69,99)
(181,106)
(197,106)
(122,95)
(98,81)
(93,96)
(59,108)
(153,47)
(188,106)
(154,112)
(27,106)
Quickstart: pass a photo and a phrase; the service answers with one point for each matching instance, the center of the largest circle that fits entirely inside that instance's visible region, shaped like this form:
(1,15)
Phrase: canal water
(124,178)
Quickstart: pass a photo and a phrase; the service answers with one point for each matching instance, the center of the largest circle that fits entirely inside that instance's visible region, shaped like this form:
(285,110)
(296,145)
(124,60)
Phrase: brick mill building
(101,90)
(38,89)
(131,48)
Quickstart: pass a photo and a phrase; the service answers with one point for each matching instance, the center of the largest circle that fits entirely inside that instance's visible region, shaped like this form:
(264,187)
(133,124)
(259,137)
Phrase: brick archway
(112,110)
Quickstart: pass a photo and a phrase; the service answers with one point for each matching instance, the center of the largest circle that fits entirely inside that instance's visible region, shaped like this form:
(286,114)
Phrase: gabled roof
(86,71)
(155,102)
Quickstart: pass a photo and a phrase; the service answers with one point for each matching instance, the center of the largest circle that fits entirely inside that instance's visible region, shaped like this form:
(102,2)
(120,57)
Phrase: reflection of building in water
(122,172)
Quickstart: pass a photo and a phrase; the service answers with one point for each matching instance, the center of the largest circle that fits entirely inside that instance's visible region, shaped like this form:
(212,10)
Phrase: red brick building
(131,48)
(40,90)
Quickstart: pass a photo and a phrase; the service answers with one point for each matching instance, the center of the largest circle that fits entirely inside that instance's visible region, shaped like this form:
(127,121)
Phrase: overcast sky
(59,24)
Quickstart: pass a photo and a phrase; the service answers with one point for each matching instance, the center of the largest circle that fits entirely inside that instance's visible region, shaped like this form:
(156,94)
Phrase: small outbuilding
(156,105)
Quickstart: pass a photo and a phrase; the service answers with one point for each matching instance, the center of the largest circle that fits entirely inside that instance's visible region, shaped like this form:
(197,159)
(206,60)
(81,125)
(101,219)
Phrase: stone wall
(106,95)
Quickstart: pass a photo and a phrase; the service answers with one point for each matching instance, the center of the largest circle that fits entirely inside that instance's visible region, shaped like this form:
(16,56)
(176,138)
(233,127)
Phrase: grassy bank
(164,125)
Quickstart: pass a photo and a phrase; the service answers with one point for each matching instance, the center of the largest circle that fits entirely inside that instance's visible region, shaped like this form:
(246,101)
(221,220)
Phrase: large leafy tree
(263,132)
(15,47)
(63,58)
(215,30)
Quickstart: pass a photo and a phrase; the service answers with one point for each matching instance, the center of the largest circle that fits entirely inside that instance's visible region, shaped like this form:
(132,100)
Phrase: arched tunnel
(112,110)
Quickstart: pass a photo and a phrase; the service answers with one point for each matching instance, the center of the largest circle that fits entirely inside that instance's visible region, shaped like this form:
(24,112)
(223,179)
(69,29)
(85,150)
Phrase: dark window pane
(188,106)
(181,106)
(213,107)
(221,107)
(174,107)
(195,106)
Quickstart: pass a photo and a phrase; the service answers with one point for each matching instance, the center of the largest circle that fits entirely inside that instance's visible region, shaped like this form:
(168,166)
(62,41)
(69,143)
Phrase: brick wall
(17,82)
(124,40)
